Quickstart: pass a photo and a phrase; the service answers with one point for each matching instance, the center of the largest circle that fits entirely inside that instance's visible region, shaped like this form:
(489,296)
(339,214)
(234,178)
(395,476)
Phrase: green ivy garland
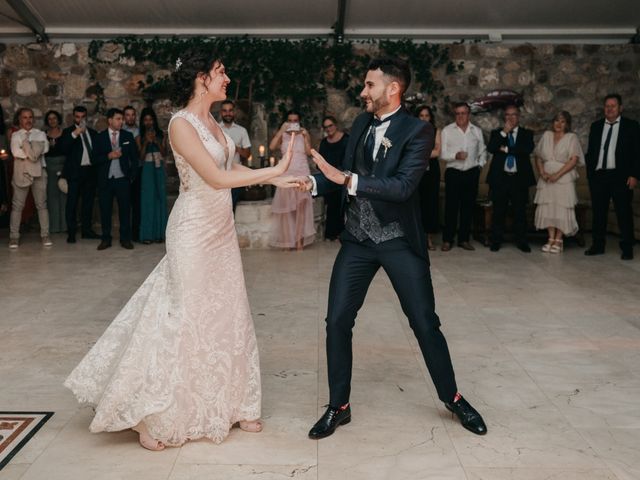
(283,73)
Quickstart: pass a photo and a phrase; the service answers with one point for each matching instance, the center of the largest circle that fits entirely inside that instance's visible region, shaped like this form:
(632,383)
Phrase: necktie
(607,142)
(370,141)
(511,159)
(86,143)
(114,140)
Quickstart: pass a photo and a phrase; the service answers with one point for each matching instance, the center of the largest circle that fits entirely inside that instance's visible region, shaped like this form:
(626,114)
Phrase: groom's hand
(328,170)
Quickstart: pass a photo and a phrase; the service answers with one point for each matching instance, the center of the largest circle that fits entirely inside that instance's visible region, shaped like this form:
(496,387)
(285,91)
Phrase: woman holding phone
(292,225)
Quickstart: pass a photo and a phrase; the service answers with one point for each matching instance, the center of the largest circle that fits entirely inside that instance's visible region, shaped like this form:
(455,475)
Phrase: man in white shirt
(28,146)
(465,153)
(240,137)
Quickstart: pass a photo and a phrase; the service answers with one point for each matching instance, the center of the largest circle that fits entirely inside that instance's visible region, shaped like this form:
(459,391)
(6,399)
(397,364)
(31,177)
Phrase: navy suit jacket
(393,189)
(627,149)
(128,161)
(73,149)
(521,150)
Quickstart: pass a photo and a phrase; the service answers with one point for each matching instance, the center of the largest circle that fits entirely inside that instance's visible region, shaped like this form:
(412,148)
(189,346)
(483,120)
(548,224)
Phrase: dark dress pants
(461,190)
(135,198)
(81,189)
(430,197)
(120,188)
(354,269)
(509,190)
(604,186)
(334,224)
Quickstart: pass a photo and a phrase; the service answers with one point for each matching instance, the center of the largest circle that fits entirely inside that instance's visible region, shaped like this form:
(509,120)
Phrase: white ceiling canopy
(446,20)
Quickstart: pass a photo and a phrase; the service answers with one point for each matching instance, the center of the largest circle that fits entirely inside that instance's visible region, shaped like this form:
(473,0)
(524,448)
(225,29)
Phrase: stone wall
(551,78)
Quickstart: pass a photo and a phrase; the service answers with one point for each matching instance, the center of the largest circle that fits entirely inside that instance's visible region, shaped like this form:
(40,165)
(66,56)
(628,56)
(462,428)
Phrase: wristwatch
(347,177)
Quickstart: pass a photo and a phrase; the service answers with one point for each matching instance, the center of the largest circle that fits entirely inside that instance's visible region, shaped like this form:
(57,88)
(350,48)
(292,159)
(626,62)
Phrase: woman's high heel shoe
(557,246)
(546,248)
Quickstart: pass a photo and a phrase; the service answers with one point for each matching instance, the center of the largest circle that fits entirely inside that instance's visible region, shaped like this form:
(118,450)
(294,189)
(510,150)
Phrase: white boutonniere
(386,143)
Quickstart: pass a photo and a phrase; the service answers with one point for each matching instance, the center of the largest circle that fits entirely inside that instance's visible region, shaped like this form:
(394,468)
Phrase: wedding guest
(152,145)
(116,156)
(465,154)
(4,156)
(131,125)
(29,209)
(613,169)
(240,137)
(332,148)
(56,198)
(78,142)
(28,147)
(557,154)
(510,176)
(430,184)
(292,210)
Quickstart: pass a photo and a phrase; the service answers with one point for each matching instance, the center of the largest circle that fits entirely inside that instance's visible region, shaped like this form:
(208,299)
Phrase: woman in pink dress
(180,361)
(292,211)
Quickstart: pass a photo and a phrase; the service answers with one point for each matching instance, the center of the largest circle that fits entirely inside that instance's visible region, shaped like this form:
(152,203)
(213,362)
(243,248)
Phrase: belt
(511,174)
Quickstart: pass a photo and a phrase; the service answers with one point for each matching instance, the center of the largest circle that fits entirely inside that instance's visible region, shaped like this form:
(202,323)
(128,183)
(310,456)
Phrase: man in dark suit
(388,152)
(117,158)
(613,169)
(510,176)
(77,143)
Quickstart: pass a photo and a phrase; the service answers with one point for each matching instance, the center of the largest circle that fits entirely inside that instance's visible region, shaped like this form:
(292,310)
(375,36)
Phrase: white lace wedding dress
(181,356)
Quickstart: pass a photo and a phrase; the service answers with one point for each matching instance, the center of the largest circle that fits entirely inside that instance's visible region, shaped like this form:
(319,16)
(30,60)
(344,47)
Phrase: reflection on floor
(547,347)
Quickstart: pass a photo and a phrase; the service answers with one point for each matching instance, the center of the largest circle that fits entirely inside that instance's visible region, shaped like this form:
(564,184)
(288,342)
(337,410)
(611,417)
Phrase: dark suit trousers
(334,224)
(461,190)
(84,189)
(509,190)
(354,269)
(430,197)
(136,192)
(120,189)
(604,186)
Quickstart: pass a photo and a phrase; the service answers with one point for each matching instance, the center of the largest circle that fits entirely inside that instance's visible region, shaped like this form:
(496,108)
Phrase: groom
(387,152)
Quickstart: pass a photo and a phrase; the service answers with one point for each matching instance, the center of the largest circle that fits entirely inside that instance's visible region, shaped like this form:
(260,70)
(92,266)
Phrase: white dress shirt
(611,154)
(240,137)
(380,131)
(455,140)
(86,161)
(33,135)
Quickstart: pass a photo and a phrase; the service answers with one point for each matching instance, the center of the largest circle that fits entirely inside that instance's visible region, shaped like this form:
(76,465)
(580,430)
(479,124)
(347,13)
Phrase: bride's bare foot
(254,426)
(146,440)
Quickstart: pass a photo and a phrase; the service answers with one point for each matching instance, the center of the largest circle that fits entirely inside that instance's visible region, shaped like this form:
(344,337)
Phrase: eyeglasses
(328,126)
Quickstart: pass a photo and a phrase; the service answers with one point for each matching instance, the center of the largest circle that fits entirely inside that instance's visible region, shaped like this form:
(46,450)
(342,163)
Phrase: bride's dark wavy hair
(192,62)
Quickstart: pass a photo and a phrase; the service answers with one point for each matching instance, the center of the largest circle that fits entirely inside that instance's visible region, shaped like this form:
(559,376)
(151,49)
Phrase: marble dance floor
(547,347)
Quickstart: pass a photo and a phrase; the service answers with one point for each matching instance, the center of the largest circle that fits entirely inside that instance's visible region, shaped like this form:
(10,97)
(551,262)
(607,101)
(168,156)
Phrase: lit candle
(272,161)
(261,150)
(250,160)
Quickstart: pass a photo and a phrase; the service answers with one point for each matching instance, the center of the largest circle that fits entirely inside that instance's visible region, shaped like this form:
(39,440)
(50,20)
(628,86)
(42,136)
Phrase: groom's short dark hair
(395,68)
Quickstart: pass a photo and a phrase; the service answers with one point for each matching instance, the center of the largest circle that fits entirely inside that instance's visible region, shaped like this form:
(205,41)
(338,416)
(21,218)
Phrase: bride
(180,361)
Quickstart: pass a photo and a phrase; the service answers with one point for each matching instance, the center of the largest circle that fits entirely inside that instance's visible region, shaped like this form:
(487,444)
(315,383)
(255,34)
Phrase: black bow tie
(376,122)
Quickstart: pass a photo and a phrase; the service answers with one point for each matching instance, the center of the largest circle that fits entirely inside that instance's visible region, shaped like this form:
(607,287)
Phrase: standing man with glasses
(613,169)
(465,154)
(332,148)
(510,176)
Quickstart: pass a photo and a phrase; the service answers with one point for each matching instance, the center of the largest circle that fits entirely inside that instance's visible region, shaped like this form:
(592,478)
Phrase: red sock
(457,397)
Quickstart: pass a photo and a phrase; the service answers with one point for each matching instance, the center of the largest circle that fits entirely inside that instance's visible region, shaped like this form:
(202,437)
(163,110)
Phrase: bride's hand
(285,161)
(288,181)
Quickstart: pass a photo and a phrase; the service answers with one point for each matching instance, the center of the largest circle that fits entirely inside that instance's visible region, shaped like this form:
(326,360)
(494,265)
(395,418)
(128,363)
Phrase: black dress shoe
(104,245)
(71,239)
(494,247)
(90,235)
(524,247)
(128,245)
(466,246)
(591,251)
(627,256)
(469,417)
(328,423)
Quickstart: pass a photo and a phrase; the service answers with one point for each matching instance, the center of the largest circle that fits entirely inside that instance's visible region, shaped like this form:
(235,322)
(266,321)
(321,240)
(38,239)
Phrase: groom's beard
(375,105)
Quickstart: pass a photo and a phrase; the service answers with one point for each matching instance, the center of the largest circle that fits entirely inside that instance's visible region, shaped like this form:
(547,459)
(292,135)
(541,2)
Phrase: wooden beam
(29,18)
(339,28)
